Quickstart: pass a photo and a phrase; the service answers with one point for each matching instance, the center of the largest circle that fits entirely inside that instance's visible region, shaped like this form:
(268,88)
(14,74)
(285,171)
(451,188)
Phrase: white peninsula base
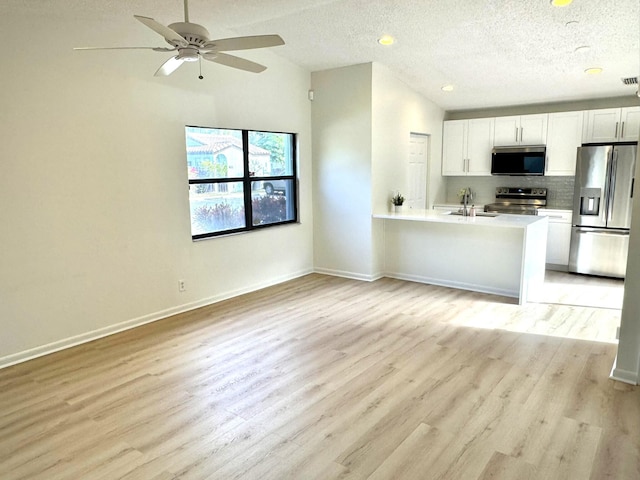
(503,255)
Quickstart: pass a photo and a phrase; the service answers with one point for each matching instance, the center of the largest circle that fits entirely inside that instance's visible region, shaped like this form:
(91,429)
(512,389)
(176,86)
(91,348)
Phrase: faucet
(465,201)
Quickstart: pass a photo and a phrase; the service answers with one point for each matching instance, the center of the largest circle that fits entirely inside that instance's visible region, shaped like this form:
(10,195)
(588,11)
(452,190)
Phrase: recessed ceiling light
(447,88)
(582,49)
(386,40)
(560,3)
(593,71)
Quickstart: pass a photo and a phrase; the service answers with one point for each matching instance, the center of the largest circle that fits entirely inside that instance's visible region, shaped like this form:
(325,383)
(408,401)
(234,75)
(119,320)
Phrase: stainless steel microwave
(518,160)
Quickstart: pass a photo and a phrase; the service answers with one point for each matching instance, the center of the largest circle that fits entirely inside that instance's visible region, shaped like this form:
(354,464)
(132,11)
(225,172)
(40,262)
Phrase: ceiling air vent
(630,81)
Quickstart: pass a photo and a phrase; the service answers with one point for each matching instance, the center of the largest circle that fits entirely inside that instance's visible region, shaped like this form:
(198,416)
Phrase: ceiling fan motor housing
(193,33)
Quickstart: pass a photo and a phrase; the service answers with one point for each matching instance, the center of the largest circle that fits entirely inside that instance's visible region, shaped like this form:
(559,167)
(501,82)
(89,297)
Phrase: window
(240,180)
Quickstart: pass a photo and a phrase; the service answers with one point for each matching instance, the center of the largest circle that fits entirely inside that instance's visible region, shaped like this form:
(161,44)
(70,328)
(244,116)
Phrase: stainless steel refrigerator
(602,210)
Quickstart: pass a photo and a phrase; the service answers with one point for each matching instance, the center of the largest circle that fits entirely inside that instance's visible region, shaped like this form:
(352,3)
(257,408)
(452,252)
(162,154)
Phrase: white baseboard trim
(459,285)
(69,342)
(419,279)
(557,267)
(625,376)
(350,275)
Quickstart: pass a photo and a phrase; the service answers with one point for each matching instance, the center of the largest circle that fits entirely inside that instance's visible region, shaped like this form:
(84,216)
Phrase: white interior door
(418,159)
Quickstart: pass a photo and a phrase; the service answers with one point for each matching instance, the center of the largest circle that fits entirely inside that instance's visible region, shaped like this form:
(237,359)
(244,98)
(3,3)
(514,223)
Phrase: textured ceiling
(495,52)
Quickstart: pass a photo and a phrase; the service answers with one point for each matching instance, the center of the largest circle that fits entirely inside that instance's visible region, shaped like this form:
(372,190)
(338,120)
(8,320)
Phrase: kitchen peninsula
(501,255)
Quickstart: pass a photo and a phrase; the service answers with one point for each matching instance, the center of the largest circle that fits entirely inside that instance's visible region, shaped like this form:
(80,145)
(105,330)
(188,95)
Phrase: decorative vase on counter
(397,208)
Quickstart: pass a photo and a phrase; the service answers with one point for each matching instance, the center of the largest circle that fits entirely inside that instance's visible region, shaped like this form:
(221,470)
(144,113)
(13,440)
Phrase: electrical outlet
(182,286)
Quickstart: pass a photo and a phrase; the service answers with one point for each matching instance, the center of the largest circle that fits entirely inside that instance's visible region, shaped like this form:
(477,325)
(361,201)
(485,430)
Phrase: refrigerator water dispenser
(590,201)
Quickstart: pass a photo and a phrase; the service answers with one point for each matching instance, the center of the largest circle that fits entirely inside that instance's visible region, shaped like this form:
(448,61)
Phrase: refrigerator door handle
(602,231)
(633,182)
(612,185)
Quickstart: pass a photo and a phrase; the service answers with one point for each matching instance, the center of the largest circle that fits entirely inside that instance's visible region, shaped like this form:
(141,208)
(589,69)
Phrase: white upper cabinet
(521,130)
(630,121)
(507,131)
(454,147)
(612,125)
(563,139)
(479,145)
(466,147)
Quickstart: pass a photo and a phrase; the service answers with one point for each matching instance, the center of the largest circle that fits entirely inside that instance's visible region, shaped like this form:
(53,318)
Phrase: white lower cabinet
(558,238)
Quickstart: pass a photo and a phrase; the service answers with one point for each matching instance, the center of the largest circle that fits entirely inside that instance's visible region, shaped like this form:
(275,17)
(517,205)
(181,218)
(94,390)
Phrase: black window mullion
(268,209)
(248,212)
(196,181)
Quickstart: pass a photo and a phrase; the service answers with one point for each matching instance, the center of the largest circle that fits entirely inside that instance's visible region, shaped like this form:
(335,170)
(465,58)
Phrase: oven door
(511,209)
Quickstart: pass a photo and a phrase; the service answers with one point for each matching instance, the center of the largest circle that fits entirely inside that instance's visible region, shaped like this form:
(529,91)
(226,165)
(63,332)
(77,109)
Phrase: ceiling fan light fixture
(188,54)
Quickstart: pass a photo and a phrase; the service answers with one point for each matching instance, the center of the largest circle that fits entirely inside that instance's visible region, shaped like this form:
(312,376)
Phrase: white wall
(363,116)
(627,367)
(93,184)
(397,112)
(629,100)
(341,119)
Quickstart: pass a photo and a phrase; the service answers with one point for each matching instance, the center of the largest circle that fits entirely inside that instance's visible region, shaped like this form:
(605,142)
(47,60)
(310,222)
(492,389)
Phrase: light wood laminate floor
(582,290)
(328,378)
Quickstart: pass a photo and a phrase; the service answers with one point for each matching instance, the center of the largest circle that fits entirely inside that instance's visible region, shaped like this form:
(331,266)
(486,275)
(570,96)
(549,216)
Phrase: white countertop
(503,220)
(456,206)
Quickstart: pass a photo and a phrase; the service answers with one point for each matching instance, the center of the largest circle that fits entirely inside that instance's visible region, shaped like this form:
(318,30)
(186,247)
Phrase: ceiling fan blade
(173,37)
(168,67)
(242,43)
(157,49)
(235,62)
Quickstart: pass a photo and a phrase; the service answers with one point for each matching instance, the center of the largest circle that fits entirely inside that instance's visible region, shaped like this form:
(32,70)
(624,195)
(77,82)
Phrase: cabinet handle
(516,134)
(622,131)
(521,129)
(616,134)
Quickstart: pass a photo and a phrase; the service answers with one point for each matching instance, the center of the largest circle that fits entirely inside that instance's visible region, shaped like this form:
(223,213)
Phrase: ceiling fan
(192,43)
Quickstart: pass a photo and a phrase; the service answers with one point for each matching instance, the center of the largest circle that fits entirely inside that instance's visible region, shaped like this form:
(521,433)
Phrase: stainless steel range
(518,201)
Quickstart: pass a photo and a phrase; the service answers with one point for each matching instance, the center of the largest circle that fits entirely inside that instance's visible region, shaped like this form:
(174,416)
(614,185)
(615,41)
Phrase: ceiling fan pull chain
(200,64)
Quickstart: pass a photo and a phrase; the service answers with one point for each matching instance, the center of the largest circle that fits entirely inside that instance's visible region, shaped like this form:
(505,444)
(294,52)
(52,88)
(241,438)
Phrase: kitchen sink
(478,214)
